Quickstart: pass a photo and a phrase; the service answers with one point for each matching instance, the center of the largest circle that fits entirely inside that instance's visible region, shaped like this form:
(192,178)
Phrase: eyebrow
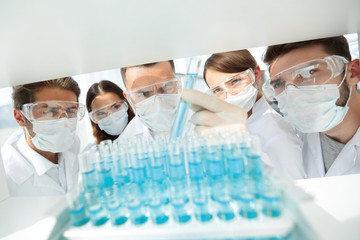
(276,81)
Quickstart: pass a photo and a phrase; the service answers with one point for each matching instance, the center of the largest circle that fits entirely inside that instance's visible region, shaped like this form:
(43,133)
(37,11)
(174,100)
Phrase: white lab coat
(30,174)
(278,139)
(347,162)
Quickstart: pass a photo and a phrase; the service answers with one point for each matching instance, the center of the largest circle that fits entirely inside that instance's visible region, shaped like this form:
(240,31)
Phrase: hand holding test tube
(183,109)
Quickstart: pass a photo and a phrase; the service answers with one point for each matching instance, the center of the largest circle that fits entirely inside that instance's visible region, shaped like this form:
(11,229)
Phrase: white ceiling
(42,39)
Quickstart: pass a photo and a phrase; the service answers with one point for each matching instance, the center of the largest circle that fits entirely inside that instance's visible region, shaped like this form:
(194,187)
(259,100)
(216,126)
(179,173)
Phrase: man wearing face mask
(41,159)
(153,91)
(235,78)
(314,83)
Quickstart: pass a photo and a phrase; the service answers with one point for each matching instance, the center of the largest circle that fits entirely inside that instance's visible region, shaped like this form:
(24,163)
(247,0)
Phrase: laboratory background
(320,208)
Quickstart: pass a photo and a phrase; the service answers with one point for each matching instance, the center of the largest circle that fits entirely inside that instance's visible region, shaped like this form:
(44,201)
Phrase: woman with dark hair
(108,110)
(235,78)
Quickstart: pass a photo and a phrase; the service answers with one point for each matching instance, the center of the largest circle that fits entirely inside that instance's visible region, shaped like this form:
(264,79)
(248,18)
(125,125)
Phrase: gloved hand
(211,111)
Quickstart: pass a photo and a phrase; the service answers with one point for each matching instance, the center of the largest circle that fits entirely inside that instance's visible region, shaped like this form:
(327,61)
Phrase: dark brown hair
(147,65)
(96,89)
(332,45)
(23,94)
(230,62)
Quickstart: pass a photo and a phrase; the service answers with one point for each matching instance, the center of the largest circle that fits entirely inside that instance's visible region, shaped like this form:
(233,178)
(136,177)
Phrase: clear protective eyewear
(233,85)
(105,111)
(52,110)
(139,94)
(314,72)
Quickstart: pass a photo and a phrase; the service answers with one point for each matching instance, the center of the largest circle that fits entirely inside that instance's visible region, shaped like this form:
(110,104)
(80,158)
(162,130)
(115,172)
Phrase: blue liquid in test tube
(116,211)
(88,175)
(76,203)
(178,182)
(96,211)
(183,109)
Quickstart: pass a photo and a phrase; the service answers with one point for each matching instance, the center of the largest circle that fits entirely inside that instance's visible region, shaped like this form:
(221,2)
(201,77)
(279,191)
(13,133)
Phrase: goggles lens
(52,110)
(314,72)
(137,95)
(234,85)
(105,111)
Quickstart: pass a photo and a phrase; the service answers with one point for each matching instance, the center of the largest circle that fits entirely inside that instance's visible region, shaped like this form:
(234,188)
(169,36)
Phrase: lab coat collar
(40,163)
(347,157)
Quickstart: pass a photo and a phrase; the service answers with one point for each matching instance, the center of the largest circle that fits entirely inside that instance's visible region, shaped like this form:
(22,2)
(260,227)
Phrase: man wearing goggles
(153,91)
(41,158)
(314,83)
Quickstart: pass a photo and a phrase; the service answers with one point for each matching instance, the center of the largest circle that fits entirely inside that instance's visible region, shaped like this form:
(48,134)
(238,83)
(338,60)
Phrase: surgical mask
(54,135)
(244,99)
(312,108)
(115,123)
(158,111)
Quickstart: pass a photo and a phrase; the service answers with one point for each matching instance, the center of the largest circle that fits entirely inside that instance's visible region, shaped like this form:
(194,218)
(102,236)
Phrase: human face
(302,55)
(52,94)
(105,104)
(141,76)
(224,85)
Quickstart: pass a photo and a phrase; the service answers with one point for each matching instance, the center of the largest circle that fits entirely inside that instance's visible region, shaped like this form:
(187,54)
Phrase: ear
(124,95)
(19,117)
(353,72)
(257,74)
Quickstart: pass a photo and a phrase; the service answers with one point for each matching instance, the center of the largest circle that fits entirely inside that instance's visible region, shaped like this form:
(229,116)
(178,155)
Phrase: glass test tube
(88,175)
(102,165)
(97,213)
(178,182)
(117,212)
(76,203)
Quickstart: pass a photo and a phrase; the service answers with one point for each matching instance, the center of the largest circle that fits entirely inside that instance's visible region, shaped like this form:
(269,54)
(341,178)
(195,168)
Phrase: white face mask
(54,135)
(158,111)
(244,99)
(115,123)
(312,108)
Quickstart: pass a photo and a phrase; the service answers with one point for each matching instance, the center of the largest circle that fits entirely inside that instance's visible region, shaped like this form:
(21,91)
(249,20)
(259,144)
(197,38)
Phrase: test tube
(157,210)
(194,158)
(178,182)
(200,199)
(97,213)
(135,205)
(88,175)
(234,157)
(102,168)
(254,163)
(157,171)
(121,165)
(117,212)
(271,204)
(76,203)
(183,108)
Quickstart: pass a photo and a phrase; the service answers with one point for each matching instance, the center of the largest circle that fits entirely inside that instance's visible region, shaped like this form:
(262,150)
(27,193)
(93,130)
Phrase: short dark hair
(332,45)
(230,62)
(96,89)
(147,65)
(23,94)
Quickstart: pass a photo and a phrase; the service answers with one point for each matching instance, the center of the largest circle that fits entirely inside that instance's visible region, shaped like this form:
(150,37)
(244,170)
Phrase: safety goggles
(314,72)
(52,110)
(139,94)
(234,85)
(101,113)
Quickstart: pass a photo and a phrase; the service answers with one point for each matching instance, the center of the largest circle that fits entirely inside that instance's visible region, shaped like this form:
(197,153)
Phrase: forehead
(142,76)
(104,100)
(295,57)
(55,94)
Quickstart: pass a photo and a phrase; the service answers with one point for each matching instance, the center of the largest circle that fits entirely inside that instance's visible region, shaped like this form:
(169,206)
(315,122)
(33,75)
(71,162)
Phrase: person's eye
(51,111)
(278,83)
(144,94)
(217,91)
(101,114)
(236,81)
